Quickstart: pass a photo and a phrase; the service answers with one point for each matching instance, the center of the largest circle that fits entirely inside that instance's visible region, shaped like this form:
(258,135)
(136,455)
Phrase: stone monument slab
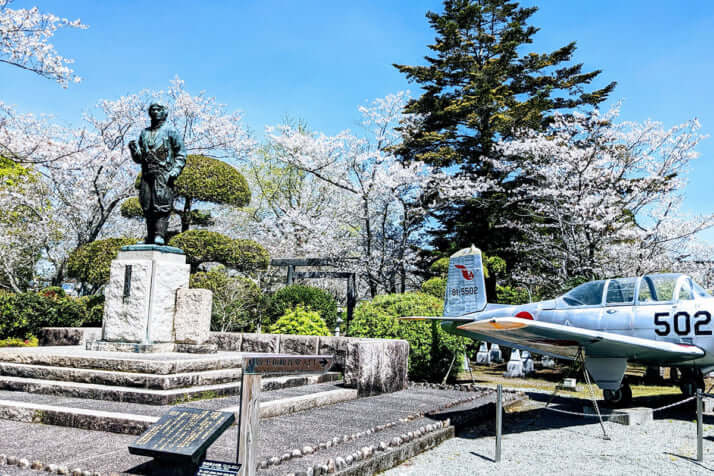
(192,323)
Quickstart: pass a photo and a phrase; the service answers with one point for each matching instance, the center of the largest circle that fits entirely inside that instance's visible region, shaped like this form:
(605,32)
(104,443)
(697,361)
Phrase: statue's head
(157,112)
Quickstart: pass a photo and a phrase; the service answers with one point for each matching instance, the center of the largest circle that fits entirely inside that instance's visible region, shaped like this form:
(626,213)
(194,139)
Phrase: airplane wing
(464,318)
(564,341)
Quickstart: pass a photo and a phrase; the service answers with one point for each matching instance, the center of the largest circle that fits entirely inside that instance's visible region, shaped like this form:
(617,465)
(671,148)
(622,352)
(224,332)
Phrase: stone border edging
(309,450)
(24,463)
(376,458)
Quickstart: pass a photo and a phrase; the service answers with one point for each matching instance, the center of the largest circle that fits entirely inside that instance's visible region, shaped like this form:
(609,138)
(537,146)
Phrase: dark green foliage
(90,263)
(53,292)
(236,300)
(206,179)
(315,299)
(431,348)
(511,295)
(440,267)
(131,208)
(480,84)
(435,286)
(300,321)
(203,246)
(203,179)
(22,315)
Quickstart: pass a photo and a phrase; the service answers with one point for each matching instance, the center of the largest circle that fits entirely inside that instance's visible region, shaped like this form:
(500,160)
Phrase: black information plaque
(183,433)
(218,468)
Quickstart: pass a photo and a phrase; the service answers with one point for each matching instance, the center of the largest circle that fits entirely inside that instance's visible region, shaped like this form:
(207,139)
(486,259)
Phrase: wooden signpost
(254,365)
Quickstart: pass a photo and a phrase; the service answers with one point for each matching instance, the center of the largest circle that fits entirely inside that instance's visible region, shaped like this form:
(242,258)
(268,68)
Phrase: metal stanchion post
(700,430)
(499,411)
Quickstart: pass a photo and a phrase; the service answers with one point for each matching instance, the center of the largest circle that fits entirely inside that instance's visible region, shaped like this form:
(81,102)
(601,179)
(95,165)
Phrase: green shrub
(511,295)
(300,321)
(316,299)
(434,287)
(53,292)
(131,208)
(15,342)
(440,267)
(236,300)
(431,348)
(211,180)
(22,315)
(91,263)
(203,246)
(95,310)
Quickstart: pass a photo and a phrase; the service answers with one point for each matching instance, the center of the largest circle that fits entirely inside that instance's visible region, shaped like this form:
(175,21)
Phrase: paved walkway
(107,452)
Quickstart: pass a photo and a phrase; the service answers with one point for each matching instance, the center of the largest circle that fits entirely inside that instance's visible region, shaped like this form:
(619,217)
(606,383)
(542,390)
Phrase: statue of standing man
(162,157)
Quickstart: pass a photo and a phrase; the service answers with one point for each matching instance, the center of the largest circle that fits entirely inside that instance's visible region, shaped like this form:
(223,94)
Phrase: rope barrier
(595,415)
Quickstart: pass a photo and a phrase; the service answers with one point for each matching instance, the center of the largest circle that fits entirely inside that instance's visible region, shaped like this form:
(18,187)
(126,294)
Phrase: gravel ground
(558,444)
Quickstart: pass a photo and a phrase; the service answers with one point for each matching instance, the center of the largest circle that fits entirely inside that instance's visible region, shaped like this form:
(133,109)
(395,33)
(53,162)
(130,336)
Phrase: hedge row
(22,315)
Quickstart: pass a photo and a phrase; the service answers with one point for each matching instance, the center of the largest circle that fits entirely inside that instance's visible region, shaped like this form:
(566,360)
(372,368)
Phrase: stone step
(147,395)
(108,419)
(122,379)
(118,393)
(160,364)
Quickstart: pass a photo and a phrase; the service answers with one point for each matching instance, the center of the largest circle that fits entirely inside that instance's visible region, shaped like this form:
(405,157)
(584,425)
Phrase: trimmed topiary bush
(203,246)
(300,321)
(316,299)
(236,300)
(90,263)
(211,180)
(131,208)
(431,348)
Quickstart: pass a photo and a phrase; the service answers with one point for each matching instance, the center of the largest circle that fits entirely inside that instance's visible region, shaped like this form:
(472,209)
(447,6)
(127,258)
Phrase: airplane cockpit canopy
(651,288)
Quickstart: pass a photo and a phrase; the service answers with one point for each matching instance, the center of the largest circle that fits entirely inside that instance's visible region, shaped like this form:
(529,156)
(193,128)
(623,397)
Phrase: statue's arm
(135,150)
(179,154)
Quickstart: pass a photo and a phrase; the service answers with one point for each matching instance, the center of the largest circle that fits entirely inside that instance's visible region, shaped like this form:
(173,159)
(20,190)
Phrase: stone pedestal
(495,354)
(483,357)
(514,368)
(148,306)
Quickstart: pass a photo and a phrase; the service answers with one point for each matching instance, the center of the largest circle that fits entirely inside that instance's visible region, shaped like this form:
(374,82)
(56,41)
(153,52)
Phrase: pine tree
(479,87)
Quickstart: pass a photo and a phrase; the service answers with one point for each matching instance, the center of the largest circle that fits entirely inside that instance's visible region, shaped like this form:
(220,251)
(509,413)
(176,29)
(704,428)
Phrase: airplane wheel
(620,397)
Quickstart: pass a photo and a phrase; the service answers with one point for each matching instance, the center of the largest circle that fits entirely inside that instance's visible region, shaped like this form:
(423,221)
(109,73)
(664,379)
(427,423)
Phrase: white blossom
(24,42)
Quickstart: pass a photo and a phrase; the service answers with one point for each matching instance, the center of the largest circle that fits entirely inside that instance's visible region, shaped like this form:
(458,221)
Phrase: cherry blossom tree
(382,197)
(24,42)
(599,198)
(25,226)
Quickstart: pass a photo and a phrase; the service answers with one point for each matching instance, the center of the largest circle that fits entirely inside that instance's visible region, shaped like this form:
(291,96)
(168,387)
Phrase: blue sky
(319,60)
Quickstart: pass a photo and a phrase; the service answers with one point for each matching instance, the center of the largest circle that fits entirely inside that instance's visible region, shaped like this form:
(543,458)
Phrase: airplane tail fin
(465,285)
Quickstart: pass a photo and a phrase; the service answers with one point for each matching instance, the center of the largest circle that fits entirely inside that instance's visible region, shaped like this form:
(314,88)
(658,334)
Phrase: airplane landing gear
(690,380)
(620,397)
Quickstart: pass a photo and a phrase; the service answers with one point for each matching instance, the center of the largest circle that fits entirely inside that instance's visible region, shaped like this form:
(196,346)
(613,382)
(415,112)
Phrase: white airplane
(656,319)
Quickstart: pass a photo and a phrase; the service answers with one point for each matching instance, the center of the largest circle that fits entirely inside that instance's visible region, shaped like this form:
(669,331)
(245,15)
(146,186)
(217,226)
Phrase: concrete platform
(625,416)
(360,436)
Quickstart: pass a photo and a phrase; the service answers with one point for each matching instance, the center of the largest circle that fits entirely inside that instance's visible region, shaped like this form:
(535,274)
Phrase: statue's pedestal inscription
(148,302)
(181,437)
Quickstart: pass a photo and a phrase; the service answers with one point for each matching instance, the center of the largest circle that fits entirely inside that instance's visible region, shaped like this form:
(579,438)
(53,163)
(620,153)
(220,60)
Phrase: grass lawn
(547,379)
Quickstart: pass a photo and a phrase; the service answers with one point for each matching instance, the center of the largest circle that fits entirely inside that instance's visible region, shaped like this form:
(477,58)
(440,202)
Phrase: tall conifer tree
(480,85)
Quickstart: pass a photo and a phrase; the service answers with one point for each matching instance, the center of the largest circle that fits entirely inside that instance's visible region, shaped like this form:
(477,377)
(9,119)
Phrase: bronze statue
(162,156)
